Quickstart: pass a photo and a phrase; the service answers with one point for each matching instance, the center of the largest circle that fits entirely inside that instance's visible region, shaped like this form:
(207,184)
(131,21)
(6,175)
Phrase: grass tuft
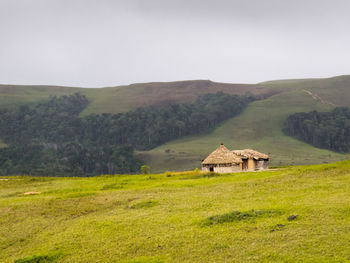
(236,216)
(112,187)
(145,204)
(39,259)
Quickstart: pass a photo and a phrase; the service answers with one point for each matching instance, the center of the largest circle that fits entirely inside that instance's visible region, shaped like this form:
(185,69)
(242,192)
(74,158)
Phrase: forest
(328,130)
(51,138)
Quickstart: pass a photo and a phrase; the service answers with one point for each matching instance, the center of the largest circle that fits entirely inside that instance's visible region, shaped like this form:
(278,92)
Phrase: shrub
(145,169)
(168,174)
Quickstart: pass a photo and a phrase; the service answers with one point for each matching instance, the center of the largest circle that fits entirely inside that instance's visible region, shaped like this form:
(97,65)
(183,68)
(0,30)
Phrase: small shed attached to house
(253,160)
(222,160)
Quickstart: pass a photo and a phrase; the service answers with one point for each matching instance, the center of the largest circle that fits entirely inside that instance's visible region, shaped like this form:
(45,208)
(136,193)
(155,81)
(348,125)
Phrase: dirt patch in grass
(31,193)
(236,216)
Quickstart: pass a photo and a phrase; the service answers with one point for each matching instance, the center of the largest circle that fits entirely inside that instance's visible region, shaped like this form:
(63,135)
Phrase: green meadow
(295,214)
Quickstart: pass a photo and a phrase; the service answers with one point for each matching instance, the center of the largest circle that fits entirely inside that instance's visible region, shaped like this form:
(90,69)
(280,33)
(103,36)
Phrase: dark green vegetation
(155,218)
(146,128)
(329,130)
(50,138)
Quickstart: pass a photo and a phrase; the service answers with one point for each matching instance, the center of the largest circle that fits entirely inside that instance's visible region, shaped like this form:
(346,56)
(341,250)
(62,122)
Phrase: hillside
(126,98)
(184,217)
(259,126)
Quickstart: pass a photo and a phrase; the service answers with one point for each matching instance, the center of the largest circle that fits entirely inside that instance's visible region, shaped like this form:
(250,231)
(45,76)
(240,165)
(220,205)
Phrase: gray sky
(95,43)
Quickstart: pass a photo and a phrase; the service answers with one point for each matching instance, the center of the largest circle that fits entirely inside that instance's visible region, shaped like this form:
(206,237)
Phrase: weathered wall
(223,169)
(231,169)
(266,164)
(251,165)
(262,165)
(205,168)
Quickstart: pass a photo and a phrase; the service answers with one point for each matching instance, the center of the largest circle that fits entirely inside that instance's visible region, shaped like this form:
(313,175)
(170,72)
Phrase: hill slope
(259,126)
(184,217)
(126,98)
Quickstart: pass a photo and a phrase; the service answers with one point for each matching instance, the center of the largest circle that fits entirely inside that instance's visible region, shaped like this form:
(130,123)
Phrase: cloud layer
(95,43)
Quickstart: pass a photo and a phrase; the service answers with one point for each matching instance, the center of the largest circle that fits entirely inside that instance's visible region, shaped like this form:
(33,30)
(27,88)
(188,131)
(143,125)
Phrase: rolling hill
(259,126)
(126,98)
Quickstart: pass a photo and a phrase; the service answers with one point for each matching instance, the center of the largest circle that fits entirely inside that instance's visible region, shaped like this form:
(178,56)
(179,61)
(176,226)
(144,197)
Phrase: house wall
(251,165)
(262,164)
(266,164)
(231,169)
(222,168)
(205,168)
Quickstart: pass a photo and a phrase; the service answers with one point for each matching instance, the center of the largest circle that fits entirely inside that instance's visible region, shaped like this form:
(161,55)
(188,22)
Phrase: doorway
(245,164)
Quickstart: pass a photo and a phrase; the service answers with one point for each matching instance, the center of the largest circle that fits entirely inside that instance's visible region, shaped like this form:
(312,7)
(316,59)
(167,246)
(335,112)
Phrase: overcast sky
(96,43)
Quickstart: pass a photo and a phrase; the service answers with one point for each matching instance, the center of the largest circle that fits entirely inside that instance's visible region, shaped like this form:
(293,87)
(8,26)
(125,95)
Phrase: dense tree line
(149,127)
(50,138)
(329,130)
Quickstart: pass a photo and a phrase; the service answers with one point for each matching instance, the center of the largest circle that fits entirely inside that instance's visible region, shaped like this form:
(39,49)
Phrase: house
(222,160)
(253,160)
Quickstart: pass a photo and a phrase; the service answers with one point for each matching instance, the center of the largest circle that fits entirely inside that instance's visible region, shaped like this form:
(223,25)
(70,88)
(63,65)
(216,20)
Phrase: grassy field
(179,217)
(258,127)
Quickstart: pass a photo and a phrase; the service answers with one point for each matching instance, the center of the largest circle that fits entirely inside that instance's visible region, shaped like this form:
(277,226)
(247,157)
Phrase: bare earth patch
(32,193)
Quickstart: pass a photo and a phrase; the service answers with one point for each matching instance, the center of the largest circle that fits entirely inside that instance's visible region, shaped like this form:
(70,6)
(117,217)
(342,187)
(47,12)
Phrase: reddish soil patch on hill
(160,93)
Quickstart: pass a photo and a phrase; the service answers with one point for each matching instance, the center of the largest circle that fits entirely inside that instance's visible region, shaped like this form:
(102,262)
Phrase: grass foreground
(296,214)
